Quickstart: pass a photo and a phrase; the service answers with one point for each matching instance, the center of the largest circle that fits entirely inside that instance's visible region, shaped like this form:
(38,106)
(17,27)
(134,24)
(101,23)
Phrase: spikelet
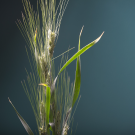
(57,122)
(51,37)
(44,65)
(48,81)
(65,129)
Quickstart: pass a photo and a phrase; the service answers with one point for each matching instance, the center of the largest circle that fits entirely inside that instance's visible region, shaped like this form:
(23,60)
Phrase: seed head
(44,65)
(51,38)
(65,129)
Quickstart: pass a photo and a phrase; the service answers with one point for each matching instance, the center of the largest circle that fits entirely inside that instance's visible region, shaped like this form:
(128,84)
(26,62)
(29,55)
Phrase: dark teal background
(107,105)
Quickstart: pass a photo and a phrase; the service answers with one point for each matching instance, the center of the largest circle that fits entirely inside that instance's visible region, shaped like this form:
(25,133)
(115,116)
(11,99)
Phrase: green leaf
(48,97)
(77,76)
(50,128)
(35,40)
(73,58)
(26,126)
(79,53)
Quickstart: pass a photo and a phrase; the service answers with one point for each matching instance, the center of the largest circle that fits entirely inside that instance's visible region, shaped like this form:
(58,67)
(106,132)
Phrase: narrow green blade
(26,126)
(77,76)
(80,52)
(48,97)
(73,58)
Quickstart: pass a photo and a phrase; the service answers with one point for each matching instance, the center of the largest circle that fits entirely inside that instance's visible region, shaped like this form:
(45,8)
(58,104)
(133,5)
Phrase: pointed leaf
(77,76)
(80,52)
(73,58)
(26,126)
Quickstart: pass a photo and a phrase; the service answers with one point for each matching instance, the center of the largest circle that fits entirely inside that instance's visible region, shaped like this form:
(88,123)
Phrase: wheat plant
(52,97)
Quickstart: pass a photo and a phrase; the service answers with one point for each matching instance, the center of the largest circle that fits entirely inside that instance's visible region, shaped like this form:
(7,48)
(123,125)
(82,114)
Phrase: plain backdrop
(107,105)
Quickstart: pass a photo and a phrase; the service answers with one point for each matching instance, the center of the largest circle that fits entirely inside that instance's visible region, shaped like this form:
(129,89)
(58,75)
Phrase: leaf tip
(40,84)
(9,100)
(81,30)
(43,84)
(99,37)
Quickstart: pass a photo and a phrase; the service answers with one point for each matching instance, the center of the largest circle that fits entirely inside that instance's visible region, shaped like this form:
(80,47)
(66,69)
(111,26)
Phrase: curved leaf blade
(77,83)
(26,126)
(79,53)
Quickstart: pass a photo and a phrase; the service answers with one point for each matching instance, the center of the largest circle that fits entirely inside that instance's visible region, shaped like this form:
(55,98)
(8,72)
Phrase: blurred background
(107,104)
